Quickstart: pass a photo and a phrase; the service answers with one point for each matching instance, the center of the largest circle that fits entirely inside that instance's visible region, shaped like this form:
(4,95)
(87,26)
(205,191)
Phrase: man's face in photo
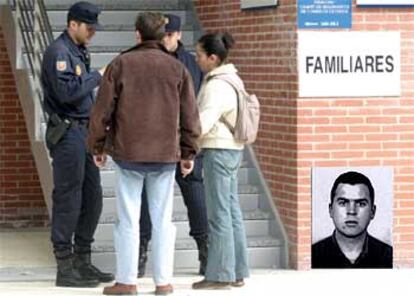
(351,209)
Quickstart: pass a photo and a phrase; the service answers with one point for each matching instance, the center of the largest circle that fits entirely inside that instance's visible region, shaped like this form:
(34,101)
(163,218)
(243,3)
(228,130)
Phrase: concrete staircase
(265,241)
(265,234)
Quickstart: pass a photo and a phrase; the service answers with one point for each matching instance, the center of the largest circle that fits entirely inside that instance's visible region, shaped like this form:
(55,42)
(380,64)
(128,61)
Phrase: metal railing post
(19,34)
(37,62)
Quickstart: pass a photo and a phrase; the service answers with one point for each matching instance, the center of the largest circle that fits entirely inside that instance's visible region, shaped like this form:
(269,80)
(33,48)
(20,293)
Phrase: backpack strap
(233,84)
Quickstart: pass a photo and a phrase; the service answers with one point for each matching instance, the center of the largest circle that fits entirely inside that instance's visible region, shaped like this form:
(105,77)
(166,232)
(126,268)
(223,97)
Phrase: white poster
(349,64)
(352,207)
(385,2)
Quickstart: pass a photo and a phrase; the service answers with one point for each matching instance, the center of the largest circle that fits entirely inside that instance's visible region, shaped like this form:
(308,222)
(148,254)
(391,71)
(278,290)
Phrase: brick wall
(21,197)
(365,132)
(297,134)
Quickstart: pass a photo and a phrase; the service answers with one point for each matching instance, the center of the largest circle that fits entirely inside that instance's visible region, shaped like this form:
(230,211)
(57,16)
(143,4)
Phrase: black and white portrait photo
(352,217)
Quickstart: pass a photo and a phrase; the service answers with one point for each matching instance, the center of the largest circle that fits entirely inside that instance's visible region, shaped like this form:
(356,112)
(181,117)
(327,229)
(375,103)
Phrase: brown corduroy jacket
(146,110)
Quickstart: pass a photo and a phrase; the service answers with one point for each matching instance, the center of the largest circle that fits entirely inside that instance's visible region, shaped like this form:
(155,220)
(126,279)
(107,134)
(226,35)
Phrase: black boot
(68,276)
(202,246)
(82,263)
(143,257)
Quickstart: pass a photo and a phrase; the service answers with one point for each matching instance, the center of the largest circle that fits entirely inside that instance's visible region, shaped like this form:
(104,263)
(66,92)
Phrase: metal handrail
(34,26)
(47,26)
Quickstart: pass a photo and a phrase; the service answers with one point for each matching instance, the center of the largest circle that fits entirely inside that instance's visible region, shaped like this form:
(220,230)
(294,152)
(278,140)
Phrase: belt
(78,122)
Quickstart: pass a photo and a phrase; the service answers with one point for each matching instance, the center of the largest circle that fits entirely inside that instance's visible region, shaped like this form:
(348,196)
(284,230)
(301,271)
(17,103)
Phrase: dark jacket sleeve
(69,87)
(197,78)
(103,111)
(189,118)
(196,74)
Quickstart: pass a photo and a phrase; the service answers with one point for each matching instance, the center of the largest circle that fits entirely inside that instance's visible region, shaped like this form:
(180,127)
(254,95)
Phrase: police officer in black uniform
(68,85)
(192,187)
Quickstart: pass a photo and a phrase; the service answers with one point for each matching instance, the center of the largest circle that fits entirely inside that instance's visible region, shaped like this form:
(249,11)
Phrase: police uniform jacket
(145,110)
(189,61)
(67,80)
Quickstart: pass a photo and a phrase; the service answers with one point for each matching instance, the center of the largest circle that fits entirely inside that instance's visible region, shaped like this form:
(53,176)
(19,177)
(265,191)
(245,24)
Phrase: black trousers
(192,189)
(77,193)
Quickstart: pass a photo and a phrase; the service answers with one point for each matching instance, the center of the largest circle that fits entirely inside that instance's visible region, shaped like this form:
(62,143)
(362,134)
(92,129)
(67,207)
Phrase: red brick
(331,146)
(381,154)
(382,119)
(365,129)
(347,138)
(347,120)
(381,137)
(365,146)
(348,154)
(367,163)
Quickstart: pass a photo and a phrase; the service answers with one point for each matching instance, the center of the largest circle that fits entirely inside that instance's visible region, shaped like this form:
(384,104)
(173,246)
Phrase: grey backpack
(248,113)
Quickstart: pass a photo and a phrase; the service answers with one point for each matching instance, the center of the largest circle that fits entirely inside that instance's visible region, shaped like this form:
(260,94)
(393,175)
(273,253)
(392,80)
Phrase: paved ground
(26,269)
(320,283)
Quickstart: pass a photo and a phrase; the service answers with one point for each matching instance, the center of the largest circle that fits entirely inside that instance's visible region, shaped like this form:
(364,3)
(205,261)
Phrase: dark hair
(150,25)
(72,18)
(353,178)
(218,44)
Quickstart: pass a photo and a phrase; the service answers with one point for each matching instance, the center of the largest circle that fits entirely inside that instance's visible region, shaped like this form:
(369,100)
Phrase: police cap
(174,23)
(85,12)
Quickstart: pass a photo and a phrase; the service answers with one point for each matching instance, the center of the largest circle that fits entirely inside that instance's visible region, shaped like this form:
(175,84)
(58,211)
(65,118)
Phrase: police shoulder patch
(61,65)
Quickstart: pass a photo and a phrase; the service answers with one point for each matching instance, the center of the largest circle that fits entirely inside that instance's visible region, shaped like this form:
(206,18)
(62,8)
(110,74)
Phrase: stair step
(110,165)
(108,178)
(106,54)
(152,5)
(109,214)
(104,232)
(189,244)
(109,192)
(117,49)
(262,257)
(57,18)
(124,39)
(248,202)
(123,27)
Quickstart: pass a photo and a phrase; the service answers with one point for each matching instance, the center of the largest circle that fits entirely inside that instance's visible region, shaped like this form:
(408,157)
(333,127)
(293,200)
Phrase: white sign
(349,64)
(385,2)
(246,4)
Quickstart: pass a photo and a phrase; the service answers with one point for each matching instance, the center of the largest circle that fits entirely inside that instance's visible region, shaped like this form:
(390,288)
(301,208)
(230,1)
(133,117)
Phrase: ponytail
(218,44)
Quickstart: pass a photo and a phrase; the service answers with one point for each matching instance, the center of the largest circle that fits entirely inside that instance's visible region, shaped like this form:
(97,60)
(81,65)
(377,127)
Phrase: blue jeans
(227,250)
(192,189)
(159,183)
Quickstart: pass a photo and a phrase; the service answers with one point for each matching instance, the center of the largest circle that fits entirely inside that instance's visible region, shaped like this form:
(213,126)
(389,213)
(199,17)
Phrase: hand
(186,167)
(100,160)
(102,70)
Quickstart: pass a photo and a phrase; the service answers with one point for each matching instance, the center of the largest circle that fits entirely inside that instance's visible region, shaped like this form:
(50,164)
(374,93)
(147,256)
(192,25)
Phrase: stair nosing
(113,6)
(178,217)
(109,192)
(186,244)
(120,28)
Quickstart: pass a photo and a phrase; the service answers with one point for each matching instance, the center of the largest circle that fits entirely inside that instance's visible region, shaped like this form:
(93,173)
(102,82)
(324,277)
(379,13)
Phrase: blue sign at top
(324,14)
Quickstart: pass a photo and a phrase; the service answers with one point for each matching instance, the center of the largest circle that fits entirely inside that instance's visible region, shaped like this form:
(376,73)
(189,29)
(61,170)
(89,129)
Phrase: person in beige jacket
(227,254)
(217,98)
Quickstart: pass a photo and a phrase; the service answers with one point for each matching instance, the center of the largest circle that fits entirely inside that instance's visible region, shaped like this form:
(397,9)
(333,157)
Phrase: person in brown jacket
(146,118)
